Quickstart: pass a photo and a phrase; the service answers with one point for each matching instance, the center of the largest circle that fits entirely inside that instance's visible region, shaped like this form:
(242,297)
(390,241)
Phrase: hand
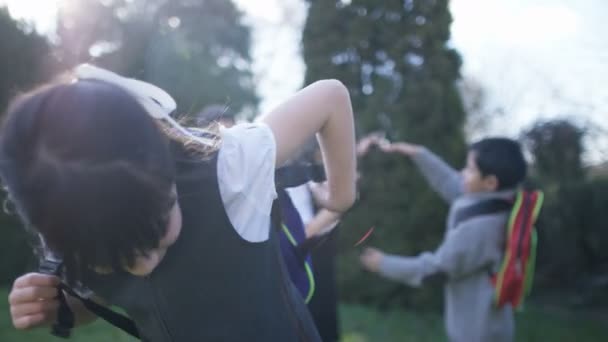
(33,300)
(371,258)
(407,149)
(368,141)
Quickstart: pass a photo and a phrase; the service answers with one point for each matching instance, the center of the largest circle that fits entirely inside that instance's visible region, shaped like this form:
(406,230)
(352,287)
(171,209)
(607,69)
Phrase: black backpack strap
(482,208)
(312,242)
(291,176)
(298,174)
(120,321)
(276,218)
(62,327)
(65,316)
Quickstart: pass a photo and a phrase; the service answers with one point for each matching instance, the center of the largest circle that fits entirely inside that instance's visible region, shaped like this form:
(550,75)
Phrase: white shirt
(302,201)
(245,172)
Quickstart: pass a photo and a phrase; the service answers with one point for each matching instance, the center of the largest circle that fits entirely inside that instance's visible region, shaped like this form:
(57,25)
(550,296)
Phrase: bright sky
(41,12)
(538,59)
(535,58)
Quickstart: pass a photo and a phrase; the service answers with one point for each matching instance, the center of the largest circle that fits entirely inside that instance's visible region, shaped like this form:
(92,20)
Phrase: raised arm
(441,177)
(322,108)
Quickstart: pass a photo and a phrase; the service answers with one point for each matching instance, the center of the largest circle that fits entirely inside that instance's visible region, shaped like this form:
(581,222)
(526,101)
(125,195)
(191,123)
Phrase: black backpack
(285,177)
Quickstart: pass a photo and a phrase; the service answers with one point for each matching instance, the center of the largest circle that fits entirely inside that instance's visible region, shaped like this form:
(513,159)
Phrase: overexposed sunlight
(41,13)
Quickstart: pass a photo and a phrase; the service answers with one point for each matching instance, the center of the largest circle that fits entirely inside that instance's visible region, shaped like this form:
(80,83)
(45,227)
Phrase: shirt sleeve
(441,177)
(246,166)
(467,249)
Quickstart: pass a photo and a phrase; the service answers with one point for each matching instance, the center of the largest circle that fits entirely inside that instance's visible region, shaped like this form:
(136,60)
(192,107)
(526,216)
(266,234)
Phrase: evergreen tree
(557,148)
(395,59)
(25,62)
(25,57)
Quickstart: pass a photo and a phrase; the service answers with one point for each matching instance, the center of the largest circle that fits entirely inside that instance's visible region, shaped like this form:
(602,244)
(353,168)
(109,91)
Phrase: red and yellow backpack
(513,281)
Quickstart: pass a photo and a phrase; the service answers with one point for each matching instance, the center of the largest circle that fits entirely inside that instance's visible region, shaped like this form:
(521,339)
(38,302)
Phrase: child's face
(473,180)
(146,264)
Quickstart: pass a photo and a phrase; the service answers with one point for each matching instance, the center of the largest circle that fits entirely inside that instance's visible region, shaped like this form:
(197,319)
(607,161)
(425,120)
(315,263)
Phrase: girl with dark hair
(170,225)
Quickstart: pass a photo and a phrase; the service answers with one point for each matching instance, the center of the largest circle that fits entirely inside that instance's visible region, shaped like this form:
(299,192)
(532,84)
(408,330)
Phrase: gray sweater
(469,251)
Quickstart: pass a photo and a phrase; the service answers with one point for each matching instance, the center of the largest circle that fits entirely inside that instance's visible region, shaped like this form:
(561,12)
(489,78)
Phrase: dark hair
(89,170)
(501,157)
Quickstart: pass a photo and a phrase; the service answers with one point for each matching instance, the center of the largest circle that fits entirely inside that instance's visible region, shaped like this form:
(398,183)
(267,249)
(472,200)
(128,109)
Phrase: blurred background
(434,72)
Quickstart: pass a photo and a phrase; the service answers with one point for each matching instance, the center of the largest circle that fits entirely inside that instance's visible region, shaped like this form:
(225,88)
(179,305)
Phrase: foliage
(197,50)
(573,235)
(395,59)
(25,57)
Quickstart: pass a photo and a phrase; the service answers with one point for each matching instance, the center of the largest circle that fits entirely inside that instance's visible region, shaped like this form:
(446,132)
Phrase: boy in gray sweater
(472,249)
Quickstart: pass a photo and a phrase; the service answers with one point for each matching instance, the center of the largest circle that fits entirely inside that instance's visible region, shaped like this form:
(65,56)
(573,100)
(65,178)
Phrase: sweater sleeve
(465,250)
(441,177)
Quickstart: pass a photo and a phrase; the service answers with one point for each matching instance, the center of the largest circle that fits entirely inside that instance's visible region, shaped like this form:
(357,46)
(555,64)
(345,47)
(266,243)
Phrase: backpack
(291,237)
(513,281)
(295,250)
(295,246)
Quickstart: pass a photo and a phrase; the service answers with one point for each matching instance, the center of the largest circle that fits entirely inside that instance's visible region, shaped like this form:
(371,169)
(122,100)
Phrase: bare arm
(322,108)
(323,222)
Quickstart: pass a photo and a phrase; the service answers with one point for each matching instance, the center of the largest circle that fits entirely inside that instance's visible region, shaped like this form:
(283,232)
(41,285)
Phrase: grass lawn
(360,324)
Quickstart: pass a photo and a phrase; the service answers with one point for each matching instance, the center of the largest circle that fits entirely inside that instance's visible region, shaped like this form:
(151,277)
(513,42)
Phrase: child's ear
(490,183)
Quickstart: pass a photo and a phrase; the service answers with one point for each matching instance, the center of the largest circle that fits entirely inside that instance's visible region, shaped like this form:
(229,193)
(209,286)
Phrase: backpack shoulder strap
(291,176)
(65,316)
(118,320)
(298,174)
(486,207)
(276,217)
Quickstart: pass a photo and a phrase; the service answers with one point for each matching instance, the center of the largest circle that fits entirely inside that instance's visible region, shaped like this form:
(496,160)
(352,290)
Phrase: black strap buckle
(65,317)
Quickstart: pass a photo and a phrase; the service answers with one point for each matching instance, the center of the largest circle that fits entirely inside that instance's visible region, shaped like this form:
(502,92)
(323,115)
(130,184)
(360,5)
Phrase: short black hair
(501,157)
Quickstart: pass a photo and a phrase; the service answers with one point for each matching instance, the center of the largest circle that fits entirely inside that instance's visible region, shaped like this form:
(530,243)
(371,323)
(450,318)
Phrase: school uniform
(224,278)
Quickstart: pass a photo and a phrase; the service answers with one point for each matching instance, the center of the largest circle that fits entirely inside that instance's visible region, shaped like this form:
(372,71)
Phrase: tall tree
(571,230)
(557,148)
(25,57)
(197,50)
(394,58)
(24,61)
